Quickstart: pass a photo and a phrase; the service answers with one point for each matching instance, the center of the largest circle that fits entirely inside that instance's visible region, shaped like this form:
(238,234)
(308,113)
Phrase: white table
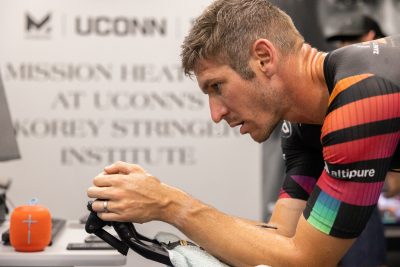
(58,255)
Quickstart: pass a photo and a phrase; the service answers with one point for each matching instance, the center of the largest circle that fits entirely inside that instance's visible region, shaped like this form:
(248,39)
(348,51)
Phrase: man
(256,69)
(302,152)
(359,28)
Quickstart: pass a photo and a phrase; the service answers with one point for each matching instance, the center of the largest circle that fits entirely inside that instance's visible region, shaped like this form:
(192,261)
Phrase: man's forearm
(242,243)
(233,240)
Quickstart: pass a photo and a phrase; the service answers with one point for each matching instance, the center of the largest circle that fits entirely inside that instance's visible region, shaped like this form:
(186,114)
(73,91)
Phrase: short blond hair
(227,29)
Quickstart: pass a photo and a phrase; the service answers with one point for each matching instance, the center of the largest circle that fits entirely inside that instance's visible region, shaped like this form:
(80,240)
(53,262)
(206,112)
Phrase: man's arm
(137,196)
(302,154)
(286,215)
(242,244)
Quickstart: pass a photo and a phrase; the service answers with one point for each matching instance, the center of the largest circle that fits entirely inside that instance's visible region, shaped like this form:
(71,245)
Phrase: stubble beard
(267,131)
(273,98)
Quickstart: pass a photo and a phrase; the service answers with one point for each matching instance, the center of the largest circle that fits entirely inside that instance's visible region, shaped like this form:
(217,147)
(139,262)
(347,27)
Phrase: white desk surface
(58,255)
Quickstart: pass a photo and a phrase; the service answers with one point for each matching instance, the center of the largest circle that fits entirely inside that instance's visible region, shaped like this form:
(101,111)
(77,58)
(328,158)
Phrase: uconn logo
(40,26)
(120,26)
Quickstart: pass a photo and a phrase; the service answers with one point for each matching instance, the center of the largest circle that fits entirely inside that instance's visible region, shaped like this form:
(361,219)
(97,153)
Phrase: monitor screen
(8,143)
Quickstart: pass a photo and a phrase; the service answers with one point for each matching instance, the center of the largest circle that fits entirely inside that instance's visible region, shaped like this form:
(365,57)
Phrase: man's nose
(217,109)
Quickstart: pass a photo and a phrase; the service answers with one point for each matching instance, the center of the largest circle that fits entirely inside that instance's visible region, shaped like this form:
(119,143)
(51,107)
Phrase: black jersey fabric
(339,167)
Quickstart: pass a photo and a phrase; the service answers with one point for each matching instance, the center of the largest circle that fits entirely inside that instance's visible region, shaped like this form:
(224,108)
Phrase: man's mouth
(241,124)
(233,125)
(242,129)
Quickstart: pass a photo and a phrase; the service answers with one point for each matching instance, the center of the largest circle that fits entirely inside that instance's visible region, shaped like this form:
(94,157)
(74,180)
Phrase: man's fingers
(99,192)
(122,167)
(111,217)
(105,210)
(103,180)
(102,206)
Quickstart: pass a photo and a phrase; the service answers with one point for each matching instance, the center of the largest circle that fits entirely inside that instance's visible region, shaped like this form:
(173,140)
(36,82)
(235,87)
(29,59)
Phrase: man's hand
(133,195)
(124,168)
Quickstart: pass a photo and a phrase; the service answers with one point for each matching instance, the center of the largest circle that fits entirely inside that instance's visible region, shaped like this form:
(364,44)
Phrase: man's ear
(264,55)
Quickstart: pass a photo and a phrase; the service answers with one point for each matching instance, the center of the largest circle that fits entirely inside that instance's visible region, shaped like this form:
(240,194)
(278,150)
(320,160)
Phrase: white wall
(79,101)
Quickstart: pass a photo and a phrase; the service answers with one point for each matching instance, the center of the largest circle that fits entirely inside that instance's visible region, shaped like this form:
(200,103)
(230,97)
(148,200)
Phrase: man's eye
(216,87)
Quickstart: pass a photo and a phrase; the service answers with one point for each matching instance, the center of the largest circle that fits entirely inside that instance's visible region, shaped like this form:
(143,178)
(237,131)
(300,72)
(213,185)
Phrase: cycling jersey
(340,167)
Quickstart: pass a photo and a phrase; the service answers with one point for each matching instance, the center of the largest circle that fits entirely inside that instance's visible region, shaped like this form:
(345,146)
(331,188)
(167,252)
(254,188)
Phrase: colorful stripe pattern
(324,212)
(300,187)
(359,137)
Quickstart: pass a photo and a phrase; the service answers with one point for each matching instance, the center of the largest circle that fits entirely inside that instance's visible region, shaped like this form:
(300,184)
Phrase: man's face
(252,105)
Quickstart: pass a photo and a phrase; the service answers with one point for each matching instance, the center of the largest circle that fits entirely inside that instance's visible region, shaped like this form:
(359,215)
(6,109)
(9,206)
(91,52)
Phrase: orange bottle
(30,228)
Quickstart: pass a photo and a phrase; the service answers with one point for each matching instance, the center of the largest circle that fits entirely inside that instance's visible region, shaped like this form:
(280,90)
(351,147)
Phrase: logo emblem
(286,130)
(36,27)
(29,223)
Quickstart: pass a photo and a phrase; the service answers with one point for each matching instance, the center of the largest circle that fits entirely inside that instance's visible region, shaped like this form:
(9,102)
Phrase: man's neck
(313,61)
(310,92)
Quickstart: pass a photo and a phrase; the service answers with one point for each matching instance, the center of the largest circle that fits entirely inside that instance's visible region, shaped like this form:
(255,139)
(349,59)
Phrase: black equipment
(129,238)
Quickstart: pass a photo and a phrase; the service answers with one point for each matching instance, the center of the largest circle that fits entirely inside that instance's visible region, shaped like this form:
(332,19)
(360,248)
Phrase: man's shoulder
(378,57)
